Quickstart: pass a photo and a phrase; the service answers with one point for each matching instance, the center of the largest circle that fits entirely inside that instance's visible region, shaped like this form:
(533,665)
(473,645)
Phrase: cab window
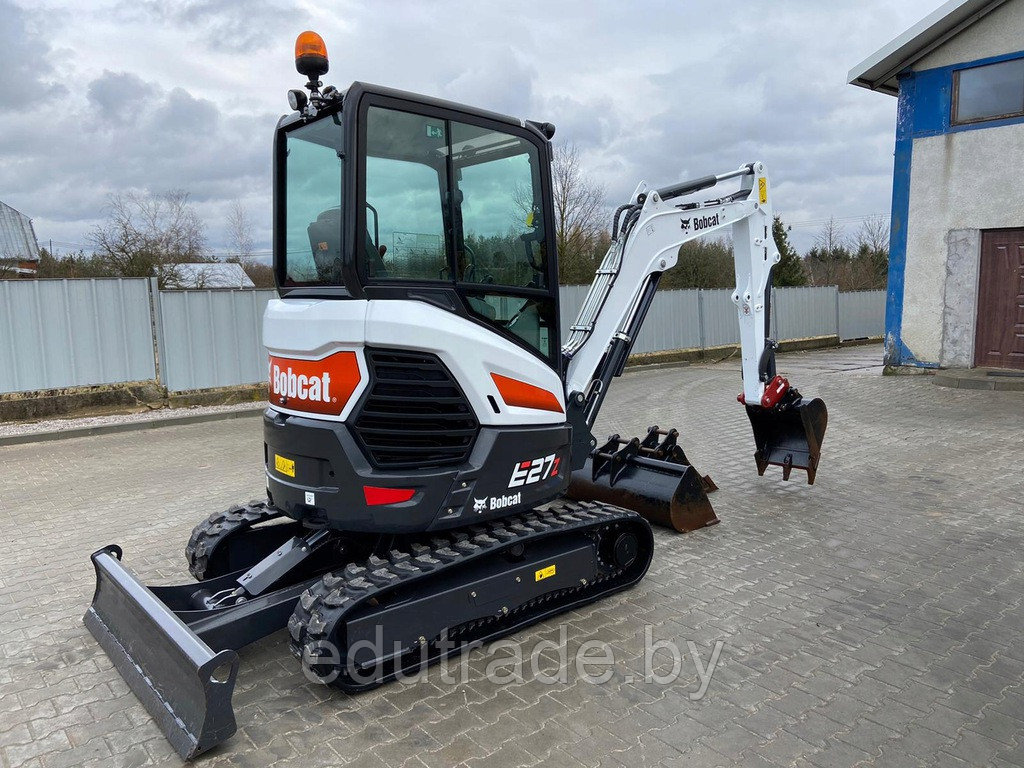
(463,204)
(405,190)
(499,197)
(501,239)
(312,197)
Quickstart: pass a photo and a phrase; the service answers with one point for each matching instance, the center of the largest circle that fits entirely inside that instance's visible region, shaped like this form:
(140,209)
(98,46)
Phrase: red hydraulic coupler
(773,393)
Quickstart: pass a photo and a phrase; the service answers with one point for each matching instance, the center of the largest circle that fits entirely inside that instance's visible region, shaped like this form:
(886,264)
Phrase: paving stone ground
(875,618)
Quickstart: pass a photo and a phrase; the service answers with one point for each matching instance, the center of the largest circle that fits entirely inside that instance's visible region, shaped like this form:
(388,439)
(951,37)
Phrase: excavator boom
(647,235)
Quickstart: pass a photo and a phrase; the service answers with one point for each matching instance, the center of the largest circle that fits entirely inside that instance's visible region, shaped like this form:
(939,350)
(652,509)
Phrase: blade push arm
(653,229)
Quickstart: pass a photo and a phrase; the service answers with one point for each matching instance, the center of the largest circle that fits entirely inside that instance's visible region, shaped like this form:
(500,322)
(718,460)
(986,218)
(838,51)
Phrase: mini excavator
(433,481)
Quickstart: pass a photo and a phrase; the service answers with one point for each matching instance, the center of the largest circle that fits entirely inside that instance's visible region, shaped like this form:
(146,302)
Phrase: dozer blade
(651,477)
(183,683)
(789,435)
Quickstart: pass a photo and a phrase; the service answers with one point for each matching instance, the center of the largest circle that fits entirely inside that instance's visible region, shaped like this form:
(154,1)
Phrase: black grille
(415,414)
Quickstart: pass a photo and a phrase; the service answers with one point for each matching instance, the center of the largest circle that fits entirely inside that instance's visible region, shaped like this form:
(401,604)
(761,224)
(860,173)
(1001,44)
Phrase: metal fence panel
(73,333)
(570,299)
(718,316)
(212,338)
(673,322)
(861,314)
(81,332)
(690,319)
(804,312)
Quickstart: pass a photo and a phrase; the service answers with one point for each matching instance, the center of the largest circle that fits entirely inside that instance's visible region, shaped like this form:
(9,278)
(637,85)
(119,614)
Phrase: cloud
(226,25)
(116,95)
(24,64)
(131,134)
(503,72)
(153,95)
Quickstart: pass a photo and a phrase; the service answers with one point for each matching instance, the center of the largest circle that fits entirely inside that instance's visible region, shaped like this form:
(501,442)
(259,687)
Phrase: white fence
(67,333)
(861,314)
(73,333)
(696,319)
(211,338)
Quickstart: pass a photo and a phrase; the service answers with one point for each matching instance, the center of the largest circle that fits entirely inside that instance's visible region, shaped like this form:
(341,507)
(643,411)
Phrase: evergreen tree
(790,269)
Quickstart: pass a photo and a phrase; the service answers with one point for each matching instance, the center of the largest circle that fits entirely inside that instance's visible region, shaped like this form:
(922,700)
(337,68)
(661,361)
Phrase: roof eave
(878,72)
(881,87)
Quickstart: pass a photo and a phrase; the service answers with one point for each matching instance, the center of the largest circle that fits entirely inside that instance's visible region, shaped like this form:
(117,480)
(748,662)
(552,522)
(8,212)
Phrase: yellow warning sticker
(545,573)
(284,466)
(762,189)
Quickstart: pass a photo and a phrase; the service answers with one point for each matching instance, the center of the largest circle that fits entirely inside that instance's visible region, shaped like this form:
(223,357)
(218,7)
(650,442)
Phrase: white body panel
(310,329)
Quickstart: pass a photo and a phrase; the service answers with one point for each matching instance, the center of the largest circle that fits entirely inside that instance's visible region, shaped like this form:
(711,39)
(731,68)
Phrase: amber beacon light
(311,55)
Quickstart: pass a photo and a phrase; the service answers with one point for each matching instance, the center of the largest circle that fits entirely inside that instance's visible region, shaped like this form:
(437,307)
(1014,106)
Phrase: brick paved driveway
(875,617)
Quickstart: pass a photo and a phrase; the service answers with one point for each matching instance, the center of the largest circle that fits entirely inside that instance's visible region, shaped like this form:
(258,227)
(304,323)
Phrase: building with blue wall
(956,262)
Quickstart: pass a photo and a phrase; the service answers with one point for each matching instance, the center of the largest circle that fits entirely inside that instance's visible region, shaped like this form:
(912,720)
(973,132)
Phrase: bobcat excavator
(433,481)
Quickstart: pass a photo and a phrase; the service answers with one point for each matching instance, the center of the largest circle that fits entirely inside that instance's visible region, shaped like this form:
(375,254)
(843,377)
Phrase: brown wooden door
(999,342)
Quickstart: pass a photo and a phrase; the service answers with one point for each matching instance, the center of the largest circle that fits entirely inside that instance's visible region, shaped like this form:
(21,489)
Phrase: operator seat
(325,243)
(374,261)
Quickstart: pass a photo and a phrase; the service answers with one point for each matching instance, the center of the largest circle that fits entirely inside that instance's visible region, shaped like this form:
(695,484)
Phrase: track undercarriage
(360,611)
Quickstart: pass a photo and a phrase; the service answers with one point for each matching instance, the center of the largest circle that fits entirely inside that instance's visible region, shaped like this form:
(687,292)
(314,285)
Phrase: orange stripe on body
(523,395)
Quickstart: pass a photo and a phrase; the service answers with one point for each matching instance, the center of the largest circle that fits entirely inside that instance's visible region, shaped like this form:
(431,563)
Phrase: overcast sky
(99,98)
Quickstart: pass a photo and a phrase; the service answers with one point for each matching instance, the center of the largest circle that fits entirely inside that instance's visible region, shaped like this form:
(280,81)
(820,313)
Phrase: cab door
(504,269)
(461,218)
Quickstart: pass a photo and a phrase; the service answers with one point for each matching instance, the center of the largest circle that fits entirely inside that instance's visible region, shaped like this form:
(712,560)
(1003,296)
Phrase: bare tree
(147,234)
(856,264)
(831,240)
(872,257)
(240,232)
(242,243)
(874,234)
(579,212)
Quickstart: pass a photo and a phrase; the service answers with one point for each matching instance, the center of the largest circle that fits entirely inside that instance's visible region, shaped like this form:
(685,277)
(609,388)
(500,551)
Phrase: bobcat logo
(685,225)
(479,505)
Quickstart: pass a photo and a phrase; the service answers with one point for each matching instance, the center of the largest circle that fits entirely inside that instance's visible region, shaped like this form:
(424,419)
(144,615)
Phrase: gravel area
(11,429)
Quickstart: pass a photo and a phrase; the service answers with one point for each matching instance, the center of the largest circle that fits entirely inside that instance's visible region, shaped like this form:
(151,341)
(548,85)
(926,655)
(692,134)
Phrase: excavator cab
(381,194)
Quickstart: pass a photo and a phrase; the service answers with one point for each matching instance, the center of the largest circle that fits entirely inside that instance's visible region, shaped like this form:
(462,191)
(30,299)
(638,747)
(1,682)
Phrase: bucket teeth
(789,435)
(651,476)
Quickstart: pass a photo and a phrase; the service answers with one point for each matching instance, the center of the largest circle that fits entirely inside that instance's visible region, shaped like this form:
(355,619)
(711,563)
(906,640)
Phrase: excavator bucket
(182,682)
(652,477)
(789,435)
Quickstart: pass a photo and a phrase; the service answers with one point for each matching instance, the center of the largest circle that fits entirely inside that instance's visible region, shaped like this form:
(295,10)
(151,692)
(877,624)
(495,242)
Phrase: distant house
(19,251)
(205,275)
(956,260)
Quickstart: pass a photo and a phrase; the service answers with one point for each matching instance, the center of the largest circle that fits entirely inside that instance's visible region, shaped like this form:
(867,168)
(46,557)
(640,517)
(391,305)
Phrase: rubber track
(325,604)
(217,528)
